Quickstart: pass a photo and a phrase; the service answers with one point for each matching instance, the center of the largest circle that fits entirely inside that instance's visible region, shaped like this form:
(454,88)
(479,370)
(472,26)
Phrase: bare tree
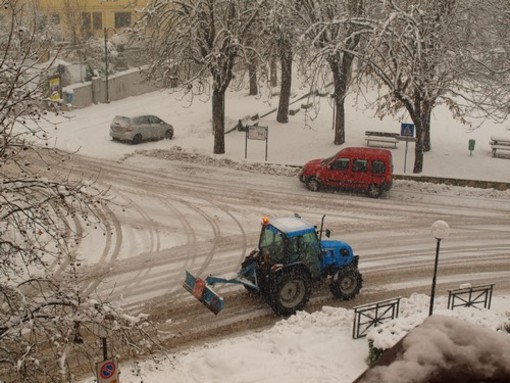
(422,54)
(486,94)
(280,30)
(195,44)
(335,38)
(48,307)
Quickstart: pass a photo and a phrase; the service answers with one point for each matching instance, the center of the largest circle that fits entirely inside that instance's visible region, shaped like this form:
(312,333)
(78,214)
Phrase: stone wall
(120,85)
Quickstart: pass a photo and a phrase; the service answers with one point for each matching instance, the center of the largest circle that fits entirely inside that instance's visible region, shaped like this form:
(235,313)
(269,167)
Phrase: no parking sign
(107,371)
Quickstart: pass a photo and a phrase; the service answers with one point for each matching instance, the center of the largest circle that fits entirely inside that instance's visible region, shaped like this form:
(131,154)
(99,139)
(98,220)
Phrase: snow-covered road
(177,215)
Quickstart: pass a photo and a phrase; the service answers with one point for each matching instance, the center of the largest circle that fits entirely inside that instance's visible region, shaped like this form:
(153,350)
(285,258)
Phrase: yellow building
(78,19)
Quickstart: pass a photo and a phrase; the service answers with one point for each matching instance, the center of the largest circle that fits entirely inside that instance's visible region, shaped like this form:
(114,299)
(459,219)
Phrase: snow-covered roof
(291,225)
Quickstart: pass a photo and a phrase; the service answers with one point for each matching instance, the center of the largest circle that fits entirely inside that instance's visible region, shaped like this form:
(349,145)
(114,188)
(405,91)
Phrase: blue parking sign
(407,130)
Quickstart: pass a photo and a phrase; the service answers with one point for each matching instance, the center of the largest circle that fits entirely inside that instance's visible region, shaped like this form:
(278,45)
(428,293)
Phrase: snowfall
(308,347)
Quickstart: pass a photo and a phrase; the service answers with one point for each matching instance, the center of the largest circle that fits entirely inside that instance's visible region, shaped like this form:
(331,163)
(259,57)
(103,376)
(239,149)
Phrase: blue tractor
(290,260)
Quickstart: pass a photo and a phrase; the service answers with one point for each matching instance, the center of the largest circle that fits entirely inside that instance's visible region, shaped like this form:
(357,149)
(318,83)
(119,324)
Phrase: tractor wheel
(346,284)
(289,293)
(313,184)
(374,191)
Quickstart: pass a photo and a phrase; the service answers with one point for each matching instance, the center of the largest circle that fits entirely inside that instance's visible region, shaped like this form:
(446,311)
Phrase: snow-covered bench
(381,141)
(499,143)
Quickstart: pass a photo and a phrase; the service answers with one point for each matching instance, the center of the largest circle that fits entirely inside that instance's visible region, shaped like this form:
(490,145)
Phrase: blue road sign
(407,130)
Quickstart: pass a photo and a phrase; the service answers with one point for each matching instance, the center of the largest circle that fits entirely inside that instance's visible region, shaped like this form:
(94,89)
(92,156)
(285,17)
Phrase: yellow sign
(55,88)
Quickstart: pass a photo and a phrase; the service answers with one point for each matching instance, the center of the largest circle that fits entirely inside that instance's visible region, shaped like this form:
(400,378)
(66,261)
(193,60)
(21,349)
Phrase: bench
(381,134)
(499,143)
(381,141)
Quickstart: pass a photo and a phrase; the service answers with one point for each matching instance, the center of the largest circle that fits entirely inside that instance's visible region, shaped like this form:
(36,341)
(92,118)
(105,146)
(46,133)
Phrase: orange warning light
(265,220)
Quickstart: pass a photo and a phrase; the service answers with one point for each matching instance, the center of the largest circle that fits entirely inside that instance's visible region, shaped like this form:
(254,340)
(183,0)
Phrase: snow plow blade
(199,289)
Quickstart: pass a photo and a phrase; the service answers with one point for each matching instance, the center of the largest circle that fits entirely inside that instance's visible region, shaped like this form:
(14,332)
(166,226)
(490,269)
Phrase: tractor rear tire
(346,283)
(289,293)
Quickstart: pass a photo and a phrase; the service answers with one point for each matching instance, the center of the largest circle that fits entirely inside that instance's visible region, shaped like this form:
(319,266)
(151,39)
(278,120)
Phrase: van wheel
(169,134)
(137,139)
(374,191)
(313,184)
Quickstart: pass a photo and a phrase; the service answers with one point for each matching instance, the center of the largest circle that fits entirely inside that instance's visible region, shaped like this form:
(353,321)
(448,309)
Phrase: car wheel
(137,139)
(289,293)
(313,184)
(374,191)
(169,134)
(346,283)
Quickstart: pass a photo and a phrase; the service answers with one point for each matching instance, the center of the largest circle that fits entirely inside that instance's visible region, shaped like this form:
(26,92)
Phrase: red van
(363,169)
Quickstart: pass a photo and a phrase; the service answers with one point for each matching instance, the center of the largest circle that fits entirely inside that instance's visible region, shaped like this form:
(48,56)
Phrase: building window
(55,19)
(122,19)
(97,19)
(86,21)
(43,22)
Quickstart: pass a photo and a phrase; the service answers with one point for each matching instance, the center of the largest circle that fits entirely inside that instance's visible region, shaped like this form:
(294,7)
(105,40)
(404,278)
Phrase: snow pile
(179,154)
(414,311)
(445,349)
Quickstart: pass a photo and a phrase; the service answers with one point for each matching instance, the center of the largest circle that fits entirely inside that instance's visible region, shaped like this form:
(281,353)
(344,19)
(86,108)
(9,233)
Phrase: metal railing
(374,314)
(473,296)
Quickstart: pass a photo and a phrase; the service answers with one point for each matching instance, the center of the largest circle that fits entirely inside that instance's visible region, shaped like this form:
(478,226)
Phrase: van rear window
(378,167)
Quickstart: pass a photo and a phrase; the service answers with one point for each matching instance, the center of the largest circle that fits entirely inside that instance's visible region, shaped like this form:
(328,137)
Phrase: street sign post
(255,132)
(407,131)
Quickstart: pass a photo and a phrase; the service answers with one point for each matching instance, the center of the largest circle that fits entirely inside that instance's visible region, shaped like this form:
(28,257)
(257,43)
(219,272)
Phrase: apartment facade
(79,19)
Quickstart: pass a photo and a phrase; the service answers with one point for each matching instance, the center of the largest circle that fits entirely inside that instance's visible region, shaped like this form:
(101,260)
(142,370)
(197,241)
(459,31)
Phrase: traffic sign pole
(406,130)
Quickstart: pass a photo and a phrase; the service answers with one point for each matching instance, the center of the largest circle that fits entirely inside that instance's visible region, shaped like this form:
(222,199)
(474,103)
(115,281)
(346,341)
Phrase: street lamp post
(440,230)
(106,61)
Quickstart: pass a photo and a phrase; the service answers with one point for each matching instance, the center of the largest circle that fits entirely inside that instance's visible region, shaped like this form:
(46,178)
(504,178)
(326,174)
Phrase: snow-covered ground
(319,347)
(305,347)
(87,130)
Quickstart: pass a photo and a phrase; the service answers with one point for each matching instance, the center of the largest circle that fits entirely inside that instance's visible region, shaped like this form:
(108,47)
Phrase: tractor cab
(289,241)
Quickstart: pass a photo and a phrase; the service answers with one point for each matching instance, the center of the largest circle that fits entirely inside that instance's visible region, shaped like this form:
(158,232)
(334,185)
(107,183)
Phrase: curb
(455,182)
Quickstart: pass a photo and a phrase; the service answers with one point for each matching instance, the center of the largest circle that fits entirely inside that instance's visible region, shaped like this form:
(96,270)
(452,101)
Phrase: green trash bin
(471,146)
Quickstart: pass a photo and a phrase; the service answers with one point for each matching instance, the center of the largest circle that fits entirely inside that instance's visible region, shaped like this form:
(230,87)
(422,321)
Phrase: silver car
(140,128)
